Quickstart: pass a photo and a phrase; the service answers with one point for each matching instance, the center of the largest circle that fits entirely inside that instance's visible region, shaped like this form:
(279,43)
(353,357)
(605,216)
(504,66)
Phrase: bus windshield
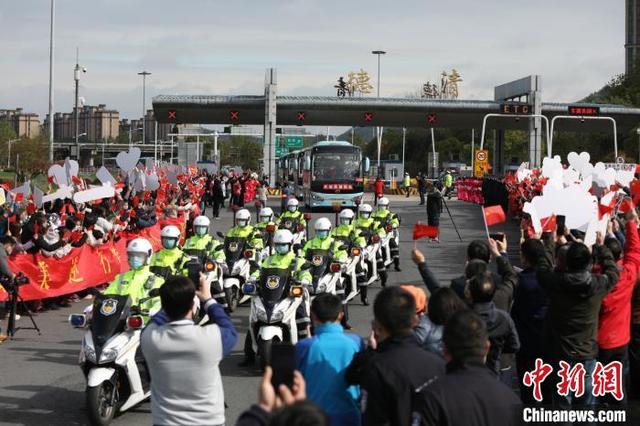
(336,166)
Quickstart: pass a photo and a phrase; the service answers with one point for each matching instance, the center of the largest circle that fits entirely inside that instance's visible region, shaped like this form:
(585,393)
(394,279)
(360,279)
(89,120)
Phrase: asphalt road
(41,383)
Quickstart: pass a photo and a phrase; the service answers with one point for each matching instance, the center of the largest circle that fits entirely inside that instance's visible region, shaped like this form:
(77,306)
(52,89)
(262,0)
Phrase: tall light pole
(51,35)
(76,78)
(144,75)
(379,53)
(378,130)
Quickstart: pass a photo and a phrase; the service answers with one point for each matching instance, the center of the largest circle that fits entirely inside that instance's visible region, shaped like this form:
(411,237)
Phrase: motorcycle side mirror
(154,292)
(306,266)
(343,247)
(307,216)
(220,247)
(220,234)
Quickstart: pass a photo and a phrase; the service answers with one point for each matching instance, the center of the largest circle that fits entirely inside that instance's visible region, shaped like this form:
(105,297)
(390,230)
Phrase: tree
(31,162)
(241,151)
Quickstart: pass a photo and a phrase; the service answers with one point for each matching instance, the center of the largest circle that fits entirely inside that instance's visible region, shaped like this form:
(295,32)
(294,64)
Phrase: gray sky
(223,47)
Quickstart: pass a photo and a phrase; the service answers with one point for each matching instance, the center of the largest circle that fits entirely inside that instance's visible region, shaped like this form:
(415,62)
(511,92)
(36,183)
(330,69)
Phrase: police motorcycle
(117,378)
(267,228)
(295,225)
(355,266)
(276,295)
(239,254)
(326,271)
(202,258)
(390,242)
(372,248)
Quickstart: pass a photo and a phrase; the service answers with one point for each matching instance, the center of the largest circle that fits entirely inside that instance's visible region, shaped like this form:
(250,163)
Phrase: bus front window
(336,166)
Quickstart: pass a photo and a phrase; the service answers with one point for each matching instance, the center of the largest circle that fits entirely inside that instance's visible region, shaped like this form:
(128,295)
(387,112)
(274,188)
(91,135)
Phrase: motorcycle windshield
(320,260)
(109,312)
(233,250)
(274,285)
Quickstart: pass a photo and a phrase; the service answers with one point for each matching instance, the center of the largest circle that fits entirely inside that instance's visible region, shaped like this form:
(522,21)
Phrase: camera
(11,285)
(195,266)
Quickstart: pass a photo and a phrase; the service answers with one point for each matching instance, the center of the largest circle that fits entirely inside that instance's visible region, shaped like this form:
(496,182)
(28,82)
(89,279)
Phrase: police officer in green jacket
(348,234)
(368,227)
(242,229)
(387,218)
(139,280)
(170,260)
(292,215)
(284,258)
(202,244)
(266,221)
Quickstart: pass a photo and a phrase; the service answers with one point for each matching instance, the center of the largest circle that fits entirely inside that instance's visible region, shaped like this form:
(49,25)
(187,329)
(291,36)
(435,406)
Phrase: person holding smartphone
(183,357)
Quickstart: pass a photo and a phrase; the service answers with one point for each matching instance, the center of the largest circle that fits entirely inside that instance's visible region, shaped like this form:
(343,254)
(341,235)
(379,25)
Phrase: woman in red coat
(379,190)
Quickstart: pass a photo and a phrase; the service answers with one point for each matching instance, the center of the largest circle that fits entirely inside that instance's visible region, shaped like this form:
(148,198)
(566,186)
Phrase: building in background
(632,34)
(25,124)
(150,128)
(95,124)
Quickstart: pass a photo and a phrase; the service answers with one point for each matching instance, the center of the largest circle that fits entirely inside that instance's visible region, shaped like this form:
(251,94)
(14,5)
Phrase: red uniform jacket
(615,312)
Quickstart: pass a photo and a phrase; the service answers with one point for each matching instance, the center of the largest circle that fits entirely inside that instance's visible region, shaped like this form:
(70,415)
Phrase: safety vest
(171,259)
(136,283)
(203,245)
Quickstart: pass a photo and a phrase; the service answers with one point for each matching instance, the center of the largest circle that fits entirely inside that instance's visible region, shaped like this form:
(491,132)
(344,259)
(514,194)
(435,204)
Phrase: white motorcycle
(326,272)
(297,229)
(117,378)
(275,298)
(239,255)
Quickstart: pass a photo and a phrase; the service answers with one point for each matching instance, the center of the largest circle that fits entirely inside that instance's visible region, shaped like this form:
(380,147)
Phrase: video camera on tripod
(12,286)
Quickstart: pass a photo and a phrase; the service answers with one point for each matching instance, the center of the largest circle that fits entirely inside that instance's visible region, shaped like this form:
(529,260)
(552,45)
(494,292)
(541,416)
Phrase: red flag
(494,214)
(548,223)
(635,189)
(421,230)
(626,206)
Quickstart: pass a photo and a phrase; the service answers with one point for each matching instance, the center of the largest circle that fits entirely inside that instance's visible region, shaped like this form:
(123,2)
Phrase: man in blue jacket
(323,360)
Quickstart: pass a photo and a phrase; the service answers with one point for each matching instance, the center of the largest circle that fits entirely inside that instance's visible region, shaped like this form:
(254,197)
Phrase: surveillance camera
(84,69)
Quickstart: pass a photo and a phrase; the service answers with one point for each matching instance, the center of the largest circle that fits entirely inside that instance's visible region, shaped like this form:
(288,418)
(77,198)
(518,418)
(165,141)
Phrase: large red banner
(84,267)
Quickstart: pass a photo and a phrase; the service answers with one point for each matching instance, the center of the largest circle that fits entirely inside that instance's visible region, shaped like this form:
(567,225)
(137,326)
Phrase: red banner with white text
(84,267)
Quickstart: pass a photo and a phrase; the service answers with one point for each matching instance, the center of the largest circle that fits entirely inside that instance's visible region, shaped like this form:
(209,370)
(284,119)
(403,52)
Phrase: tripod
(451,217)
(14,300)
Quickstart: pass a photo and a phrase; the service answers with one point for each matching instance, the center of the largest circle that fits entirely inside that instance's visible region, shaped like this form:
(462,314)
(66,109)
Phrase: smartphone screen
(497,237)
(283,363)
(560,220)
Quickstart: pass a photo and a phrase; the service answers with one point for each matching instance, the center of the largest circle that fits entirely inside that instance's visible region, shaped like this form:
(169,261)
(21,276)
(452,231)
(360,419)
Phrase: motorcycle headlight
(316,197)
(321,288)
(109,355)
(90,353)
(236,269)
(261,314)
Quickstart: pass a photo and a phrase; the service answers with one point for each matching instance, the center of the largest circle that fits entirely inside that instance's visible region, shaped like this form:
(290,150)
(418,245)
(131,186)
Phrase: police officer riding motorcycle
(370,230)
(390,222)
(293,220)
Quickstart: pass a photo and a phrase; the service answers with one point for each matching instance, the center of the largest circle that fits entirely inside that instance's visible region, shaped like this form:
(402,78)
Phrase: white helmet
(346,216)
(383,203)
(292,204)
(364,210)
(201,221)
(266,214)
(140,247)
(243,217)
(170,231)
(282,240)
(283,236)
(322,227)
(201,225)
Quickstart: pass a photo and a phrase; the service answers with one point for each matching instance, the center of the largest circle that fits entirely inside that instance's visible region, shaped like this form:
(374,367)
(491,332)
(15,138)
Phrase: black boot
(249,355)
(396,263)
(363,295)
(345,317)
(383,278)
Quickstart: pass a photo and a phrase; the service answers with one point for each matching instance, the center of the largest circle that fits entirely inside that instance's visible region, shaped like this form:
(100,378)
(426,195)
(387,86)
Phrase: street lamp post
(76,78)
(51,35)
(638,132)
(9,152)
(378,131)
(144,75)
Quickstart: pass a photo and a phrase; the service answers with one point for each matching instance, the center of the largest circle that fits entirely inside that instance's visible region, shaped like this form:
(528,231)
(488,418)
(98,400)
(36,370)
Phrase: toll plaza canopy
(388,112)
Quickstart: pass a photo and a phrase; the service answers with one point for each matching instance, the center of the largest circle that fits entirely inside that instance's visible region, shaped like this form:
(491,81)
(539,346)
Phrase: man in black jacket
(575,295)
(502,331)
(390,371)
(469,394)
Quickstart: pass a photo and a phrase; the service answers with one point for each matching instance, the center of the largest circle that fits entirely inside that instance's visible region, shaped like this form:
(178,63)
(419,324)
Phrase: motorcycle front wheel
(232,296)
(264,351)
(102,401)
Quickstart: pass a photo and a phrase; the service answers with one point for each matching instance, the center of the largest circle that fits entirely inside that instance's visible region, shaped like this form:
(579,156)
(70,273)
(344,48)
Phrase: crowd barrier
(470,190)
(82,268)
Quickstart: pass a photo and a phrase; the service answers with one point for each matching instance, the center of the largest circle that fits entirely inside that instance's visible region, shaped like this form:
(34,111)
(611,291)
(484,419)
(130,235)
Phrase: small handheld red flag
(626,205)
(421,230)
(494,214)
(548,223)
